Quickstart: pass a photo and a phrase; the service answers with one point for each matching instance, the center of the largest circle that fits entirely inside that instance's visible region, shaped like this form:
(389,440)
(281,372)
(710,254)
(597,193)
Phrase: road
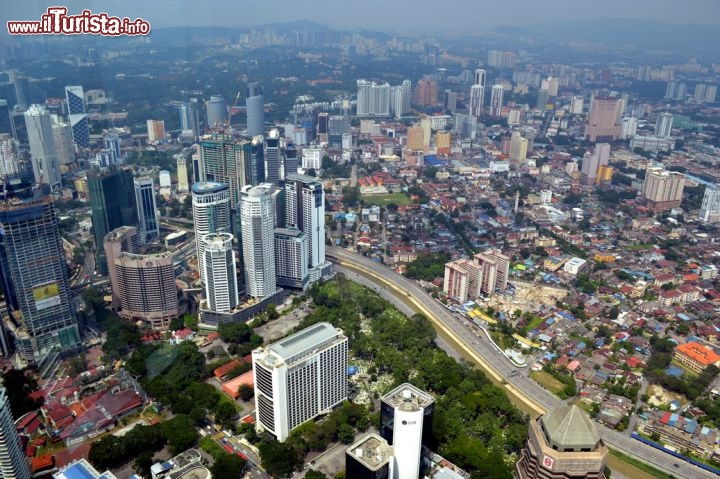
(497,365)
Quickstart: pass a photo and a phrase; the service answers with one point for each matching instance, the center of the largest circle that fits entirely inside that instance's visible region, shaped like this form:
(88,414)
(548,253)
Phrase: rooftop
(202,187)
(699,353)
(407,397)
(568,427)
(372,450)
(303,341)
(82,470)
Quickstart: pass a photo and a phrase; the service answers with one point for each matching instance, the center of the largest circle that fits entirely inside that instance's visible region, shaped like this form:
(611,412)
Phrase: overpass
(493,362)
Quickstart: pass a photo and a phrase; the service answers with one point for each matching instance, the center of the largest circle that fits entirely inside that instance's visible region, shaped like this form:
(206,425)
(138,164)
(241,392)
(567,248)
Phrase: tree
(177,323)
(280,458)
(228,466)
(143,463)
(313,474)
(246,392)
(180,433)
(225,414)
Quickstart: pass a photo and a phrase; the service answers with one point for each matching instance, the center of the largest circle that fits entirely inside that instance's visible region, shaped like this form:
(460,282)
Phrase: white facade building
(291,263)
(221,289)
(257,217)
(211,213)
(312,158)
(45,163)
(305,210)
(710,207)
(13,464)
(300,377)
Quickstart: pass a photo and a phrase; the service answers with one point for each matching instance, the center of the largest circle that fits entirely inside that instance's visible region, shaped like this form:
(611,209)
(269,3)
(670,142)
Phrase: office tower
(518,147)
(112,204)
(211,212)
(111,142)
(710,207)
(406,415)
(496,100)
(426,93)
(299,378)
(13,464)
(62,138)
(628,128)
(146,209)
(42,146)
(400,98)
(155,131)
(35,281)
(562,443)
(432,54)
(663,189)
(576,105)
(10,163)
(255,108)
(322,128)
(373,98)
(710,94)
(542,99)
(183,185)
(143,285)
(465,126)
(592,162)
(305,210)
(450,101)
(371,457)
(603,124)
(271,156)
(233,161)
(77,115)
(190,116)
(221,289)
(22,91)
(495,269)
(291,263)
(257,220)
(217,112)
(5,123)
(663,125)
(290,165)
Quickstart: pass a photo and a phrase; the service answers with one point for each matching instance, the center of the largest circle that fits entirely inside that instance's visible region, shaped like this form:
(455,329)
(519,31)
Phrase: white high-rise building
(299,378)
(477,96)
(592,162)
(710,207)
(405,418)
(257,217)
(312,158)
(479,78)
(13,464)
(576,105)
(221,290)
(291,264)
(62,137)
(305,210)
(628,128)
(373,98)
(147,211)
(211,212)
(663,125)
(182,174)
(45,163)
(400,98)
(496,100)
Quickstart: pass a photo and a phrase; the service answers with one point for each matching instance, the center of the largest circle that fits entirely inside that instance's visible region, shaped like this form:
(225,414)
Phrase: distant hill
(643,33)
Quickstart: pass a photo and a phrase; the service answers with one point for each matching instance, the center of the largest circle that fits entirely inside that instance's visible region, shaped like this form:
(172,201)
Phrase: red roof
(226,368)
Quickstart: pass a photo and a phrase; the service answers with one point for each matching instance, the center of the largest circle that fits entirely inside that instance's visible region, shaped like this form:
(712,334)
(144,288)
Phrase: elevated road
(493,362)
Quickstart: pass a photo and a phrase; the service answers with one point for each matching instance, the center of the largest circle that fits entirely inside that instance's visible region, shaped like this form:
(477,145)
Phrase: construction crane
(231,111)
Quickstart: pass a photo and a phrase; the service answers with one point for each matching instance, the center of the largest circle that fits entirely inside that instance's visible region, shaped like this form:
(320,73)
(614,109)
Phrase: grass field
(399,199)
(547,381)
(649,470)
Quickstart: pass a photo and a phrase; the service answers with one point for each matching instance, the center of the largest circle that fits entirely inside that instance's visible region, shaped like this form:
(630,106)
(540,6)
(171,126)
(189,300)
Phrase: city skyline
(363,15)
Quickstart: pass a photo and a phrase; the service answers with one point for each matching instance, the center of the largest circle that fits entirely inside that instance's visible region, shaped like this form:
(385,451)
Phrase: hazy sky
(385,15)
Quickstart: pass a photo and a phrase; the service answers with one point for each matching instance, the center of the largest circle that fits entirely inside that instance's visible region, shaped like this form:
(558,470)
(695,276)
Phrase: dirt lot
(528,297)
(279,328)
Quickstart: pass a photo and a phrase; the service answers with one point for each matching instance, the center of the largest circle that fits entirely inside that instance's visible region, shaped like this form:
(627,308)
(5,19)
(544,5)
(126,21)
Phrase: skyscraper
(255,108)
(112,204)
(257,218)
(190,116)
(21,84)
(221,289)
(42,146)
(143,285)
(663,189)
(604,122)
(663,125)
(77,115)
(62,138)
(710,206)
(426,92)
(13,464)
(496,100)
(216,112)
(518,147)
(305,210)
(211,212)
(373,98)
(563,443)
(155,131)
(182,174)
(111,142)
(5,123)
(477,94)
(271,156)
(400,98)
(291,264)
(406,415)
(299,378)
(233,161)
(146,209)
(290,165)
(34,277)
(592,162)
(450,101)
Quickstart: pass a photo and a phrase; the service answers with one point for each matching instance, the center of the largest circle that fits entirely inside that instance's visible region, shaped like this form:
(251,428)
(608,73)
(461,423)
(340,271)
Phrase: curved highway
(496,364)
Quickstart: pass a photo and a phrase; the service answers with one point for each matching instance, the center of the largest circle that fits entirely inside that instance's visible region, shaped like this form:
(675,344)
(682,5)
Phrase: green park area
(398,199)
